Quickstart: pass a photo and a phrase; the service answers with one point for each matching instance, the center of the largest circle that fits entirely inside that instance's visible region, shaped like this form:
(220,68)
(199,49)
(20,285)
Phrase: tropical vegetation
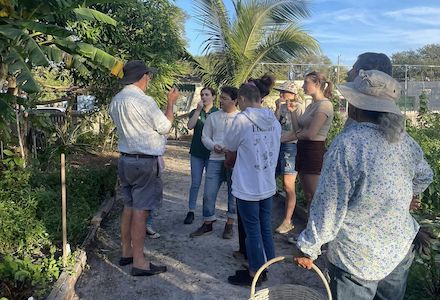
(261,31)
(52,51)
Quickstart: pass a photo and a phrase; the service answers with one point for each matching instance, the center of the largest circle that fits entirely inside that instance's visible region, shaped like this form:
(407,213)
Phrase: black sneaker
(263,275)
(203,230)
(243,279)
(189,218)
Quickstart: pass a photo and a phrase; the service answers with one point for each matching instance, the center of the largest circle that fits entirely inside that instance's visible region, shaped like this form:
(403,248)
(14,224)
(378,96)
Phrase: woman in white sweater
(255,135)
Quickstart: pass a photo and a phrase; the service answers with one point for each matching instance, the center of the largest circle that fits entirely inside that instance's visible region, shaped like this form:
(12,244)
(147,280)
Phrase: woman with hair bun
(264,86)
(255,136)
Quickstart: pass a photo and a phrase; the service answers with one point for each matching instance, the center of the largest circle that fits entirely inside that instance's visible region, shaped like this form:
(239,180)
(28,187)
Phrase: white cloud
(419,15)
(359,16)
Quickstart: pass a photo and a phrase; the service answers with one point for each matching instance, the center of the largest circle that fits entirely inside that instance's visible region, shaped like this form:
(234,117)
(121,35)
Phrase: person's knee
(290,189)
(195,184)
(308,196)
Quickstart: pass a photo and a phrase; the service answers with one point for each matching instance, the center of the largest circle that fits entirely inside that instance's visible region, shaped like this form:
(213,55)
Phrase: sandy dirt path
(197,267)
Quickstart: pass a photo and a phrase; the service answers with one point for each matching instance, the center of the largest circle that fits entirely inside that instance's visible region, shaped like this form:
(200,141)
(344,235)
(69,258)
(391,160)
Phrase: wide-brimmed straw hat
(134,70)
(374,91)
(288,86)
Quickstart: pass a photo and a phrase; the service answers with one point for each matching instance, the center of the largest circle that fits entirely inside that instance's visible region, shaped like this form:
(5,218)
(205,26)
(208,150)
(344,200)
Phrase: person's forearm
(303,135)
(277,113)
(193,120)
(169,113)
(288,137)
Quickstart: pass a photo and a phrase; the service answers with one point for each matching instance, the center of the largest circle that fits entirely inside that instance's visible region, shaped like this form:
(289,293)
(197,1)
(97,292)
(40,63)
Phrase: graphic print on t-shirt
(264,146)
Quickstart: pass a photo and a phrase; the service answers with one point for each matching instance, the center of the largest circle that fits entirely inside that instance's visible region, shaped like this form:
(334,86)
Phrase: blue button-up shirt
(361,205)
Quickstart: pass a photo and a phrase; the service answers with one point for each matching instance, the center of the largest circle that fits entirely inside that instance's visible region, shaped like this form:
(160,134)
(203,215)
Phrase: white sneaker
(292,240)
(151,233)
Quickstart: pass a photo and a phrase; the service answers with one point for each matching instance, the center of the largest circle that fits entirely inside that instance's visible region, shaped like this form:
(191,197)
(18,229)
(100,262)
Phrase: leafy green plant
(423,104)
(338,120)
(22,278)
(30,222)
(424,276)
(12,160)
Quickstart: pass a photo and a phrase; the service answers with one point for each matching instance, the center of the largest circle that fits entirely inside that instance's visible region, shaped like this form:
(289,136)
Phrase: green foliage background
(30,223)
(149,30)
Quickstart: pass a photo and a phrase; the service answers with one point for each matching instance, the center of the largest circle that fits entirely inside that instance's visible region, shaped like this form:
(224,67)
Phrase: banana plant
(35,33)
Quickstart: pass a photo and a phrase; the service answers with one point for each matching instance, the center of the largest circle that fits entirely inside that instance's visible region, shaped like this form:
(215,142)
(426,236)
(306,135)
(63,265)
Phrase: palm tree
(261,31)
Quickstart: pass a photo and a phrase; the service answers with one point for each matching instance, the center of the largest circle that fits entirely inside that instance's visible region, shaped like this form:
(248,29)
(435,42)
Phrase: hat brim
(284,90)
(135,77)
(367,102)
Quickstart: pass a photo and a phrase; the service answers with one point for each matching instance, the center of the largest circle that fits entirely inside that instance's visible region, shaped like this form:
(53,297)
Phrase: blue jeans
(150,218)
(215,175)
(256,218)
(346,286)
(197,166)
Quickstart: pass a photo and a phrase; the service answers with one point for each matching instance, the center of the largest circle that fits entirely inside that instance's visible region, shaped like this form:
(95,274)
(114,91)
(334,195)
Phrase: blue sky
(347,28)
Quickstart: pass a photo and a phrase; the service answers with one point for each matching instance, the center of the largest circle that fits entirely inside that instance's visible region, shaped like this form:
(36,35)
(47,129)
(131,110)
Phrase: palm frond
(287,11)
(88,51)
(262,31)
(213,17)
(255,19)
(280,46)
(39,27)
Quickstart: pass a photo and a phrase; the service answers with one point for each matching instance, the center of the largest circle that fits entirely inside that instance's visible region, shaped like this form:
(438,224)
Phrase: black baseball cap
(134,70)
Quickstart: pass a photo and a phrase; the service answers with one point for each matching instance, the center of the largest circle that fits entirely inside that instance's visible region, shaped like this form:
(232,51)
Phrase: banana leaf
(24,75)
(93,15)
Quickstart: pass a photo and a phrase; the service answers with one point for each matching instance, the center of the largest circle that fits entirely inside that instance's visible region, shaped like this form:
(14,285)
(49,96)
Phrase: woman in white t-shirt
(314,125)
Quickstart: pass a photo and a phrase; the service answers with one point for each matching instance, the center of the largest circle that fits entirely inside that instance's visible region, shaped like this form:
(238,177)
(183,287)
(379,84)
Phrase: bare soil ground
(197,267)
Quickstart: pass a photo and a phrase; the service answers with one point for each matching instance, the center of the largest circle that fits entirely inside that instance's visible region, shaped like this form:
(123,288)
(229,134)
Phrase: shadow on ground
(197,267)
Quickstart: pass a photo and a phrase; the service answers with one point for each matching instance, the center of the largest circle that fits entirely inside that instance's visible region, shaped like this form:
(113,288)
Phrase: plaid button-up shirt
(141,125)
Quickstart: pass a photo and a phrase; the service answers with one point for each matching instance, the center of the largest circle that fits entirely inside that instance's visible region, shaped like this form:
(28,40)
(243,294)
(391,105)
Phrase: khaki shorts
(141,184)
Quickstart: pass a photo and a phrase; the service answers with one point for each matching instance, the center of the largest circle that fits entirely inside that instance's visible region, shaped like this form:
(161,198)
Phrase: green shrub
(424,276)
(27,277)
(86,190)
(21,233)
(30,223)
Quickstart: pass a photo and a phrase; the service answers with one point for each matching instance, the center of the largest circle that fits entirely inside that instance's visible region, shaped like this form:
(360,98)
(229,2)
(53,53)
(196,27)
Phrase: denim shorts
(286,159)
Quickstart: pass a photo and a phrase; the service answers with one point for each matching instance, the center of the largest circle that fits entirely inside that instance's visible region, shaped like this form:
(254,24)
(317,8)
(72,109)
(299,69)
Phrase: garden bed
(30,219)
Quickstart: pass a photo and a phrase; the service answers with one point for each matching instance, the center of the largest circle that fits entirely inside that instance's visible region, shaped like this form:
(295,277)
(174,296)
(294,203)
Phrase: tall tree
(150,30)
(261,31)
(423,58)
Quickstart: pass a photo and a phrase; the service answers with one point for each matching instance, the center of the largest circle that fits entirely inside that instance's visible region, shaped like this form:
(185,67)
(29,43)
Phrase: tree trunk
(13,90)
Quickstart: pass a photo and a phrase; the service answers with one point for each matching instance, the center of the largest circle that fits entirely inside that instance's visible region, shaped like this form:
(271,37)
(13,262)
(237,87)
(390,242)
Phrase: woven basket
(288,291)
